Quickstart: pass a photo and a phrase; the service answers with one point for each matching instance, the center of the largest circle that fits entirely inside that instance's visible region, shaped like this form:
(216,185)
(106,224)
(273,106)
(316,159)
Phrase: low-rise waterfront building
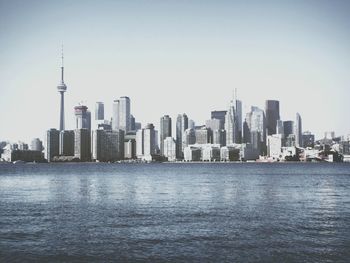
(192,153)
(210,152)
(230,153)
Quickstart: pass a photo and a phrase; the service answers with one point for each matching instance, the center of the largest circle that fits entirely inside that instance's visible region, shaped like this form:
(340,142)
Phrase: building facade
(82,145)
(165,131)
(99,111)
(67,143)
(181,126)
(108,145)
(82,117)
(52,144)
(272,109)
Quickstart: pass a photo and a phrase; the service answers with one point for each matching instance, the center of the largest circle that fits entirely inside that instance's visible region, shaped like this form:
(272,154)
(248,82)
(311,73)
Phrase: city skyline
(192,68)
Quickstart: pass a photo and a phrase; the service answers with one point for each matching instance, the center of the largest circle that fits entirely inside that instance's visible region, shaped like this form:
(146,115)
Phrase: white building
(210,152)
(274,146)
(298,131)
(121,117)
(146,143)
(169,148)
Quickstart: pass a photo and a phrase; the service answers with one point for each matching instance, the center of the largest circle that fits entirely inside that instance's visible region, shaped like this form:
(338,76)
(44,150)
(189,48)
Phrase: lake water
(205,212)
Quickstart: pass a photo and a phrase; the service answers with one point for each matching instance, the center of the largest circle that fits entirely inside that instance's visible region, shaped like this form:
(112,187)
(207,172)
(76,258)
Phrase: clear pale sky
(172,57)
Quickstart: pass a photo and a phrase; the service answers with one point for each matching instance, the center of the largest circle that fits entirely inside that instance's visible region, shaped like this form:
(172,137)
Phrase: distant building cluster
(260,135)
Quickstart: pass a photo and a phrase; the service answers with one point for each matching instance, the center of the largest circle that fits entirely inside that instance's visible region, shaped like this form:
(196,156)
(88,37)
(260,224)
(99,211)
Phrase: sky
(173,57)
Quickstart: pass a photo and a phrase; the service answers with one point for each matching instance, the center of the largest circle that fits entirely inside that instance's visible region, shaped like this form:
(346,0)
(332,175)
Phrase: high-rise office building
(170,148)
(279,128)
(202,136)
(257,129)
(149,140)
(219,137)
(62,88)
(121,117)
(239,124)
(67,143)
(139,144)
(188,137)
(219,115)
(288,128)
(298,131)
(36,145)
(165,131)
(82,117)
(124,114)
(191,124)
(137,126)
(99,111)
(82,144)
(181,126)
(146,143)
(52,144)
(246,129)
(107,145)
(230,124)
(213,124)
(132,123)
(272,109)
(115,115)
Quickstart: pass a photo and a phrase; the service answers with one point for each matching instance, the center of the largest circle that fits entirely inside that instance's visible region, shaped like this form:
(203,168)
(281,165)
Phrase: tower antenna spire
(62,88)
(62,64)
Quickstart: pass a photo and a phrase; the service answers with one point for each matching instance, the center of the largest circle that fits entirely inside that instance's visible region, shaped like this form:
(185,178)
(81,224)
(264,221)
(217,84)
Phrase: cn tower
(62,89)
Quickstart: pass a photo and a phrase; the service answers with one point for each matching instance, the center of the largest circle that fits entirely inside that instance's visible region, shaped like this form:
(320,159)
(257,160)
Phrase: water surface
(204,212)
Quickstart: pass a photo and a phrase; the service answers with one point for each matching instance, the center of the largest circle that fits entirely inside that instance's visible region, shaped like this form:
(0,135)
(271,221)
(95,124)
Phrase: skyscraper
(82,117)
(67,143)
(107,145)
(279,128)
(124,114)
(165,131)
(298,131)
(52,144)
(272,109)
(181,126)
(257,128)
(188,137)
(115,115)
(121,117)
(288,128)
(219,115)
(202,135)
(146,143)
(170,148)
(82,144)
(239,124)
(289,133)
(132,123)
(230,124)
(149,141)
(99,111)
(62,88)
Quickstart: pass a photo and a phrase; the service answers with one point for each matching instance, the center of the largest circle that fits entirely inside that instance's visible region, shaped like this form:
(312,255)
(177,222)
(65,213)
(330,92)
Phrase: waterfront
(234,212)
